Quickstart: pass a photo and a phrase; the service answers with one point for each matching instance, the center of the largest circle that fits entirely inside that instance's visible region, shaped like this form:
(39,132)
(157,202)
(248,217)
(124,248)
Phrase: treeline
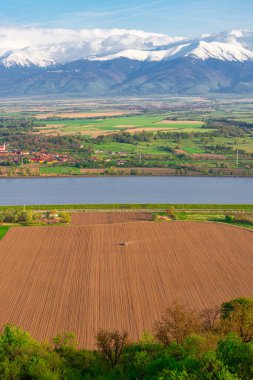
(38,143)
(230,127)
(215,344)
(134,138)
(29,217)
(10,126)
(231,122)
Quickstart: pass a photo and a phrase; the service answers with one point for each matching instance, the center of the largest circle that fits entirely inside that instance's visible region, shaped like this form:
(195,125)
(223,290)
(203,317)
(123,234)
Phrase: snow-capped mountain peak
(129,62)
(108,45)
(141,55)
(20,58)
(227,46)
(44,47)
(221,51)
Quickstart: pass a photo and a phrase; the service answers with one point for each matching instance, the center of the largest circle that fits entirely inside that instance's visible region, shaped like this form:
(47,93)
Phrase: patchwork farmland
(117,276)
(97,124)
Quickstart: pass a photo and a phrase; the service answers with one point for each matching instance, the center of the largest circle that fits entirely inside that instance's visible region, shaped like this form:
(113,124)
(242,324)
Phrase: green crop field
(110,124)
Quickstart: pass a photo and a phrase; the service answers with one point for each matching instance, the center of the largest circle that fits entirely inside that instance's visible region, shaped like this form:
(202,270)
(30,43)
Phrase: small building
(121,163)
(3,148)
(35,160)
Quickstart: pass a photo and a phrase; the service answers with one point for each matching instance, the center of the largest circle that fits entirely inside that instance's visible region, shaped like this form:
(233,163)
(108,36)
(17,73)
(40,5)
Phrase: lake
(106,190)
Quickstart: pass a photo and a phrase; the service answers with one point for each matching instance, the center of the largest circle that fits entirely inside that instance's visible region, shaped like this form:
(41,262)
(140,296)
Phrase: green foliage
(243,218)
(237,356)
(141,206)
(237,317)
(214,369)
(173,375)
(10,126)
(147,338)
(176,324)
(202,356)
(65,341)
(65,217)
(228,307)
(59,170)
(228,218)
(28,217)
(10,216)
(23,358)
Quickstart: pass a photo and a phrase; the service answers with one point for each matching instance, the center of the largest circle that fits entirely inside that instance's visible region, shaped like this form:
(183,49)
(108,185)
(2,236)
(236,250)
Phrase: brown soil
(86,218)
(208,156)
(127,171)
(46,132)
(189,122)
(146,129)
(200,156)
(83,278)
(180,151)
(124,126)
(80,115)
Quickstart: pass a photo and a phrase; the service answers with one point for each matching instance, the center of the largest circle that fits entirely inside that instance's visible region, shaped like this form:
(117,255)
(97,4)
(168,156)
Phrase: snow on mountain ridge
(200,50)
(67,45)
(22,59)
(106,45)
(221,51)
(141,55)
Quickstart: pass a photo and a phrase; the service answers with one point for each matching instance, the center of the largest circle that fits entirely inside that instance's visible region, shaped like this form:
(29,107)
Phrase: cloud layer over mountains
(65,45)
(96,62)
(46,47)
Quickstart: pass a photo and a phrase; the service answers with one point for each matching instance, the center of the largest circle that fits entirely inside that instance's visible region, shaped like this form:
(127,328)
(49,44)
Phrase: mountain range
(124,62)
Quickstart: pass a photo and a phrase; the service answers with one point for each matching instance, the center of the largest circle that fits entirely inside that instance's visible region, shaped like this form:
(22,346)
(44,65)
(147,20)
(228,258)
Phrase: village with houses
(23,158)
(17,156)
(16,162)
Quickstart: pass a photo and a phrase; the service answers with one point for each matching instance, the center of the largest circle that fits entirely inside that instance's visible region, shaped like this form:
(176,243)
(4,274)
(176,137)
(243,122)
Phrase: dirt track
(82,278)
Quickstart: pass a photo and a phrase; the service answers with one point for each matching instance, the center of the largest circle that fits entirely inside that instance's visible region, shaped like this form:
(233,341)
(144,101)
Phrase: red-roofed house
(2,148)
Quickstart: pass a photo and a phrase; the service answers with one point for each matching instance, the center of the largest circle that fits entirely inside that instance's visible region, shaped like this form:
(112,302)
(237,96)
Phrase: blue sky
(173,17)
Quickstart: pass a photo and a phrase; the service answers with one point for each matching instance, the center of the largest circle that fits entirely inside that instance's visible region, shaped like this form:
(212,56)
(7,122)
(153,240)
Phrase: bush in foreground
(215,344)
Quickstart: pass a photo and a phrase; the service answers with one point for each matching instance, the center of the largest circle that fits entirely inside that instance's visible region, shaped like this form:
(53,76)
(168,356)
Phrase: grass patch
(59,170)
(244,225)
(3,231)
(154,206)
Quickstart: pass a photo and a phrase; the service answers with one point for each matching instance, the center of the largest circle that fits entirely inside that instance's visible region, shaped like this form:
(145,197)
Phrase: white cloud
(62,45)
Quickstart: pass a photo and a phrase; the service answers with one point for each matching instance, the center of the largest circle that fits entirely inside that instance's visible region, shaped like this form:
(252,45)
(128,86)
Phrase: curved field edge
(83,278)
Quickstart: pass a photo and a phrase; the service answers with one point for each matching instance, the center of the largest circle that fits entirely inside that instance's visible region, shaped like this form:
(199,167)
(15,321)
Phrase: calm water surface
(28,191)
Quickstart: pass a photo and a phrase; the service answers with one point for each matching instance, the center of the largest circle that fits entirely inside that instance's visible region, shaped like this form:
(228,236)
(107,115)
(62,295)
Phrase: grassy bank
(3,231)
(184,212)
(152,206)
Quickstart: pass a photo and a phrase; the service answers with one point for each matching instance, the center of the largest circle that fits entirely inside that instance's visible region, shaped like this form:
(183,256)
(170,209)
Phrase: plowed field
(72,115)
(83,278)
(85,218)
